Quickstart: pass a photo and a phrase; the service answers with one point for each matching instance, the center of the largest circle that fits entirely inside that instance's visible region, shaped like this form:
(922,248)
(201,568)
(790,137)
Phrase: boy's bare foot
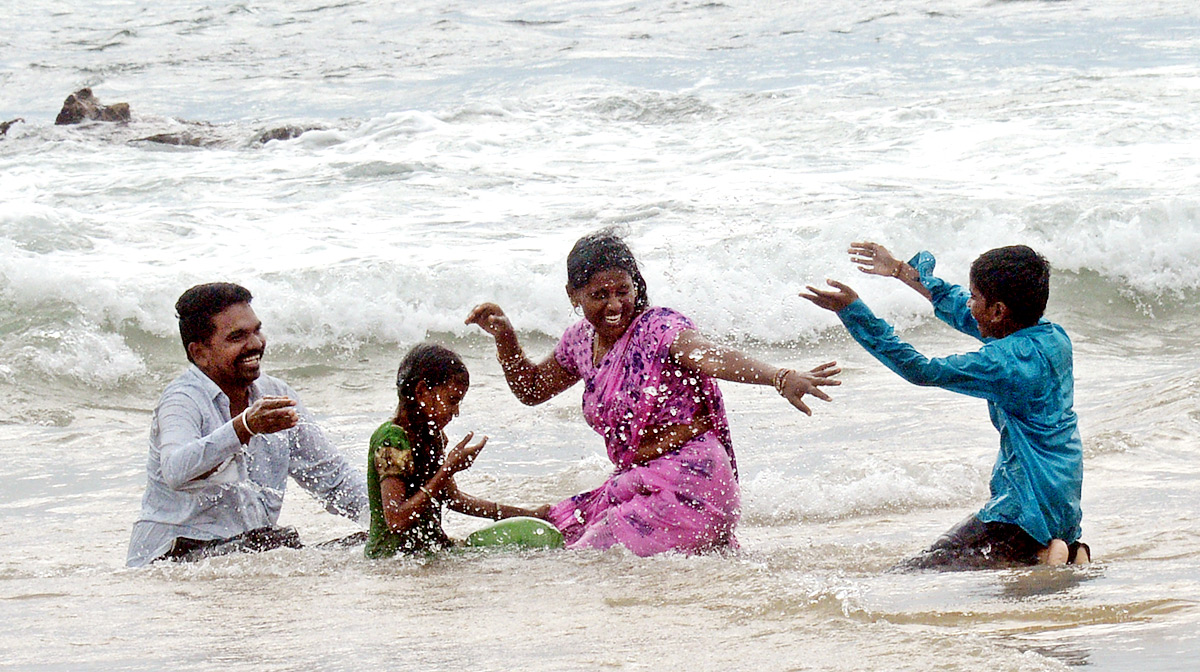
(1083,554)
(1056,553)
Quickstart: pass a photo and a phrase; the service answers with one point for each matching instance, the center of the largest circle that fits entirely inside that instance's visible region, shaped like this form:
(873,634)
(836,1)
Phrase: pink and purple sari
(686,500)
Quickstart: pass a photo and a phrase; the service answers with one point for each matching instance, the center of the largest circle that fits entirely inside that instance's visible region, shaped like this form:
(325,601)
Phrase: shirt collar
(214,391)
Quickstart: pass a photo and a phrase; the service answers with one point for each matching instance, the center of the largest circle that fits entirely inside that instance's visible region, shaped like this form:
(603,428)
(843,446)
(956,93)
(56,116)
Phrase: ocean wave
(866,488)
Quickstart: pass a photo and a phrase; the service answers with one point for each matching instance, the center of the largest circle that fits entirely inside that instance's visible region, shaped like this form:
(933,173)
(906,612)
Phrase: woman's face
(608,301)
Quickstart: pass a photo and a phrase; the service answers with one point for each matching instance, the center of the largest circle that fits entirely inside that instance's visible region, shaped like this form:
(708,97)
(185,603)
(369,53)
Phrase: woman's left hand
(796,384)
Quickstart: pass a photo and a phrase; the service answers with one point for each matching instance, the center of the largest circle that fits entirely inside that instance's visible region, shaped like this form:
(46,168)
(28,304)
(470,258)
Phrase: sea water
(459,149)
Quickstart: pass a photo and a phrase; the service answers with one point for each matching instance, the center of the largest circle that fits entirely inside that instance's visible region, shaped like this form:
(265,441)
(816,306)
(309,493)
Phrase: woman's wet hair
(1016,275)
(604,251)
(432,364)
(197,306)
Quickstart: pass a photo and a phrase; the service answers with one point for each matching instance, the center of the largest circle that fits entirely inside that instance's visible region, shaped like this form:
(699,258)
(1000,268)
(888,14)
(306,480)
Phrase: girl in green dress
(410,475)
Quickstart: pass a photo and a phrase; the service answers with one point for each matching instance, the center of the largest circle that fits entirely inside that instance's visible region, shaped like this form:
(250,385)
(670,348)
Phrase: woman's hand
(875,259)
(491,319)
(462,456)
(835,301)
(797,384)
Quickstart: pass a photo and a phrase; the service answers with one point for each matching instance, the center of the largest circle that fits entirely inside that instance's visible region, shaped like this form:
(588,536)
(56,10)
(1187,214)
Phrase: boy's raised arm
(875,259)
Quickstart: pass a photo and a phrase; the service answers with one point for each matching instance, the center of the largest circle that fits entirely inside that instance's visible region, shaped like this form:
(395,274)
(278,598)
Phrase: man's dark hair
(197,306)
(604,251)
(1016,275)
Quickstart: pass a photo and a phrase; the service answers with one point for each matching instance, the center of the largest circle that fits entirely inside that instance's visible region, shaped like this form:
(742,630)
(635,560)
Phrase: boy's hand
(796,384)
(491,319)
(828,300)
(875,259)
(463,456)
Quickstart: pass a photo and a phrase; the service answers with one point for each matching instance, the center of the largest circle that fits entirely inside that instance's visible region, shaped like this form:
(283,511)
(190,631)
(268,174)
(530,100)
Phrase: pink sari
(685,501)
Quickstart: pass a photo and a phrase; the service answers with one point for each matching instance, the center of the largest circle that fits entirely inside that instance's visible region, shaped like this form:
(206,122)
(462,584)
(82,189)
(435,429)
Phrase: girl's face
(439,404)
(608,301)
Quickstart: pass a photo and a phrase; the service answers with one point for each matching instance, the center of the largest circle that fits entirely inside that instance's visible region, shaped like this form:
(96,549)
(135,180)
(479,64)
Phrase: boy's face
(987,315)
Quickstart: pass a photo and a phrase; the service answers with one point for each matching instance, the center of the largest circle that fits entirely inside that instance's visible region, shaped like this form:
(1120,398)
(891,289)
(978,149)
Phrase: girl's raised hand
(490,318)
(874,258)
(796,384)
(462,456)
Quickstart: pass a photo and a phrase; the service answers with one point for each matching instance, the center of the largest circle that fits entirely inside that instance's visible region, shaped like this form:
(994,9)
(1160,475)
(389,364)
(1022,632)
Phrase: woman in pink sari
(650,391)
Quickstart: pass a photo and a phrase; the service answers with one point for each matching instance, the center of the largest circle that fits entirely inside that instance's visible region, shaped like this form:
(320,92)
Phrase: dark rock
(83,105)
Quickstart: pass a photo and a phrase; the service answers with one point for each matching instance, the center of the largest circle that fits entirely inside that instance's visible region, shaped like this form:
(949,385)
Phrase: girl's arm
(470,505)
(699,355)
(531,383)
(401,513)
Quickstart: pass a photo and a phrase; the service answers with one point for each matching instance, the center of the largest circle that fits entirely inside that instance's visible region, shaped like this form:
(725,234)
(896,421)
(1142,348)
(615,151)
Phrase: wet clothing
(260,539)
(391,456)
(687,500)
(974,544)
(1028,381)
(203,484)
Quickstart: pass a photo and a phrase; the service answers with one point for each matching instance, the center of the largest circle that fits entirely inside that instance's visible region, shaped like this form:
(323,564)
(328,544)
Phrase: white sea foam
(866,488)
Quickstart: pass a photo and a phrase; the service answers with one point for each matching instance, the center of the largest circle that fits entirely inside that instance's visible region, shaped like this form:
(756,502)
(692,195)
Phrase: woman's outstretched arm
(531,383)
(696,353)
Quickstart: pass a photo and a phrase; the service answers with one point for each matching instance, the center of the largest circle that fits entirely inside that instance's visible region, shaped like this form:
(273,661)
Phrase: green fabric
(427,533)
(519,532)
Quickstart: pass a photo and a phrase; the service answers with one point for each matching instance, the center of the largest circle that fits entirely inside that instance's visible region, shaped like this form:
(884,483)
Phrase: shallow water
(465,146)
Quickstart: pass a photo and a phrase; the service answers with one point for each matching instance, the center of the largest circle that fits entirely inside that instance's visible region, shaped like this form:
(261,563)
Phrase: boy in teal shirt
(1024,371)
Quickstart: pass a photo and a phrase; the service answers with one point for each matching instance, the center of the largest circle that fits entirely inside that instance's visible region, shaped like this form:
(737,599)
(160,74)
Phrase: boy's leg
(974,544)
(1080,553)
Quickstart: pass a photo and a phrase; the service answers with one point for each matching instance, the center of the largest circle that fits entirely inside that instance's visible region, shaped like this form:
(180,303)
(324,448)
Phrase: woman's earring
(578,310)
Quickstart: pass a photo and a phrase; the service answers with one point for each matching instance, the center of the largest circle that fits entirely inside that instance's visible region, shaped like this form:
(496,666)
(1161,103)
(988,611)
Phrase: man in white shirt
(224,439)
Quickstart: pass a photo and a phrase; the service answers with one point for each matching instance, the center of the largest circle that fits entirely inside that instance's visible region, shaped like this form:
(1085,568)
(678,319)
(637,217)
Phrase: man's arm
(185,452)
(323,471)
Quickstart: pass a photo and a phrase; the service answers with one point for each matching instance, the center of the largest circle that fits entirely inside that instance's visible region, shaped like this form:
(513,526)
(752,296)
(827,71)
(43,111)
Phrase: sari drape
(687,500)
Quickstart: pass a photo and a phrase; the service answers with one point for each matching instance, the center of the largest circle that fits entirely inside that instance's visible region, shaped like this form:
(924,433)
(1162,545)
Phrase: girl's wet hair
(432,364)
(603,251)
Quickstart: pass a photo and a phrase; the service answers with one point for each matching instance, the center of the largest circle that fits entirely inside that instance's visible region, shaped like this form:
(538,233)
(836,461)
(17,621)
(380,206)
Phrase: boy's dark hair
(429,362)
(197,306)
(602,251)
(1016,275)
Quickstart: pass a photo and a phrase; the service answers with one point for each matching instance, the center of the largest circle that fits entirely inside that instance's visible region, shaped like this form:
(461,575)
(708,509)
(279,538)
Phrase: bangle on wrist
(427,493)
(246,424)
(898,270)
(781,378)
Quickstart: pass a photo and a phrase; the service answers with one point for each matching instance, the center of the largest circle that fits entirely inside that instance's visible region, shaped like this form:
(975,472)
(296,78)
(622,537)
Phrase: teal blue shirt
(1028,381)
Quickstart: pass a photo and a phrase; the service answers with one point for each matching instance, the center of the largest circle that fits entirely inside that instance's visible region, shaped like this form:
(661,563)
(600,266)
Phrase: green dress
(391,454)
